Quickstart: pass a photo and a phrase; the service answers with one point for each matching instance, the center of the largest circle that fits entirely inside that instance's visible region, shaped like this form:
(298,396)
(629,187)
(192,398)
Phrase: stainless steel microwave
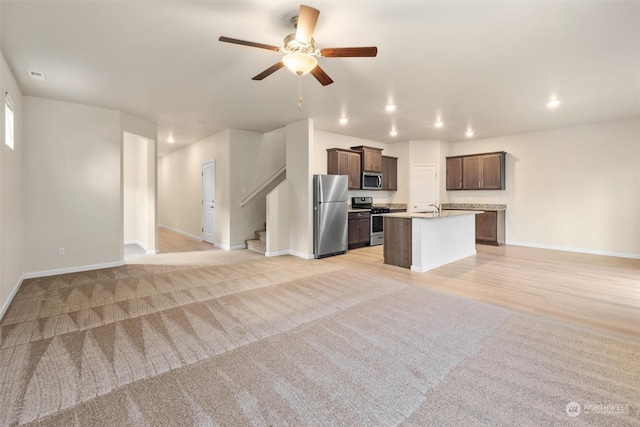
(371,181)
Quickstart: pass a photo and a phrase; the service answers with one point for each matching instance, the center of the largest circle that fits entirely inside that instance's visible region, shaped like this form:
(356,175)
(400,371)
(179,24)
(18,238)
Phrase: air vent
(37,75)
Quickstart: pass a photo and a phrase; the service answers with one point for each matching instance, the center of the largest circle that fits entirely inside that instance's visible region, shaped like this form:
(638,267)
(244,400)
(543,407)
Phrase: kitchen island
(424,241)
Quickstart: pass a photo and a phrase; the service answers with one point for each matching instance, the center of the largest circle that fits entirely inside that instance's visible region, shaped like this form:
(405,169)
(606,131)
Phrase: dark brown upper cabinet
(476,172)
(389,173)
(344,162)
(371,158)
(454,173)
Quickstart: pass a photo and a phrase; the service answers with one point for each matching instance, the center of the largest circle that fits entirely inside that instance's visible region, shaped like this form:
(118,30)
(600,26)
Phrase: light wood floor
(595,292)
(169,241)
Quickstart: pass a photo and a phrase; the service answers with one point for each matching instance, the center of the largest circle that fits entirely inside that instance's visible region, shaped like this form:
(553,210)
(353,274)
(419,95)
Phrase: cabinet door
(392,180)
(367,161)
(471,177)
(337,162)
(354,171)
(487,228)
(342,162)
(353,233)
(377,161)
(371,160)
(389,173)
(393,174)
(363,231)
(358,225)
(492,172)
(454,173)
(332,162)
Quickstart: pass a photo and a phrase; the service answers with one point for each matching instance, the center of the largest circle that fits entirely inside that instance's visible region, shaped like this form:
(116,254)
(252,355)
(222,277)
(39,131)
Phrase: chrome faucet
(437,208)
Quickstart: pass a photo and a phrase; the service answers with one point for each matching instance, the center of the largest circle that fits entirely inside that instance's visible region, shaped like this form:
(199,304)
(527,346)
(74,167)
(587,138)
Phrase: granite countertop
(432,215)
(392,206)
(396,206)
(474,206)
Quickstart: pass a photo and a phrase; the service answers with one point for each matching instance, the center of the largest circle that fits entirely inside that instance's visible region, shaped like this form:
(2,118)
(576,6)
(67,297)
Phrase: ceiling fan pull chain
(299,92)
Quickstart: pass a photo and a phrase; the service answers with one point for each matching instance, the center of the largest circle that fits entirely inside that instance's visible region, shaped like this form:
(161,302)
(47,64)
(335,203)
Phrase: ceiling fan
(301,53)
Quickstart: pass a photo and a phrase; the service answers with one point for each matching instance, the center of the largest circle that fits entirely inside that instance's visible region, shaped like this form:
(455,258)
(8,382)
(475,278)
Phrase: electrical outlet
(60,251)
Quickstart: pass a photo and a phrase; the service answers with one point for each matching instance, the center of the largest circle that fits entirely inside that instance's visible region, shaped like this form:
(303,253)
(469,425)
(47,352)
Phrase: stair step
(257,245)
(261,235)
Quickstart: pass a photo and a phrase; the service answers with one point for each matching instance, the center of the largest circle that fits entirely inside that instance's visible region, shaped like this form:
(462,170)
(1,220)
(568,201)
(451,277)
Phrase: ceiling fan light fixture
(299,63)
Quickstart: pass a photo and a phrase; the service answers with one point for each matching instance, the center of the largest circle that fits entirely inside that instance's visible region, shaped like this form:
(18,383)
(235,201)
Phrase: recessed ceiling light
(553,103)
(438,124)
(344,120)
(390,107)
(171,140)
(393,132)
(469,133)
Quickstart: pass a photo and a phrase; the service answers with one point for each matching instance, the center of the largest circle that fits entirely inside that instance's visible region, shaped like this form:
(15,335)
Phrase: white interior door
(208,201)
(424,187)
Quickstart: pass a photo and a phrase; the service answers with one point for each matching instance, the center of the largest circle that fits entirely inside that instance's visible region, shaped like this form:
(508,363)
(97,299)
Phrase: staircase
(259,244)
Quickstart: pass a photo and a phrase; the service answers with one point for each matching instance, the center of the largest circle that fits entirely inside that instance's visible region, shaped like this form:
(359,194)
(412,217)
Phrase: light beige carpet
(233,338)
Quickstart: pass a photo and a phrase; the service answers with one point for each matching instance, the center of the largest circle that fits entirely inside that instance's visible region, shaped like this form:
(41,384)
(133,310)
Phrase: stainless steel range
(377,229)
(376,223)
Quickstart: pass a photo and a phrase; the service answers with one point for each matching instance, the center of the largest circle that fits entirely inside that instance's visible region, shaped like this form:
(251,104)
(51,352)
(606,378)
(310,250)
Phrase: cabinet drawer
(359,215)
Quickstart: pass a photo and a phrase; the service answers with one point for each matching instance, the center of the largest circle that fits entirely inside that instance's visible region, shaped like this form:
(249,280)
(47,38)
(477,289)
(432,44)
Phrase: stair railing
(263,186)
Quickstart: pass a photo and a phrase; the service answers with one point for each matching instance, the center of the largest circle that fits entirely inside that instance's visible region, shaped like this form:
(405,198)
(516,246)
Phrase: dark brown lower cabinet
(490,228)
(359,230)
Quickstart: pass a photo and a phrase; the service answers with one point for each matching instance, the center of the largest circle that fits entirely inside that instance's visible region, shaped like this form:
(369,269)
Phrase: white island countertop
(432,215)
(429,239)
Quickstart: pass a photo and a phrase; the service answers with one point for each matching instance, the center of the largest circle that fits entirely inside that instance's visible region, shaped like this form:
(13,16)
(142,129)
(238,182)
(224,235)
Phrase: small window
(8,122)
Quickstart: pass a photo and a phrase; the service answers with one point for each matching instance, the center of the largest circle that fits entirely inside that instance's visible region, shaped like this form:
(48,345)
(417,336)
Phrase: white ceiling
(491,65)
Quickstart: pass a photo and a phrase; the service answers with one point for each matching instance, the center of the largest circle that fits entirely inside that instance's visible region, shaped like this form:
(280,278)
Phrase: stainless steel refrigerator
(330,219)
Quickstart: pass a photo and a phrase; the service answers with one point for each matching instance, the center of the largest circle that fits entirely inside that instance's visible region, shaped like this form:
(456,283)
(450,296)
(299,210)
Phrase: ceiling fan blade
(337,52)
(307,19)
(321,76)
(266,73)
(246,43)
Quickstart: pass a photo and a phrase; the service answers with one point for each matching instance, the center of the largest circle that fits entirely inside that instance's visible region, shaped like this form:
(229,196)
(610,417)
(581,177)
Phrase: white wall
(278,220)
(136,194)
(299,140)
(255,157)
(130,182)
(11,189)
(147,132)
(72,186)
(180,187)
(572,188)
(244,161)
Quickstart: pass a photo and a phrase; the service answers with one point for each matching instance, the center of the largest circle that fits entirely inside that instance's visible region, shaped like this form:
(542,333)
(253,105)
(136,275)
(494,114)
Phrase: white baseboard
(138,243)
(301,255)
(289,252)
(279,253)
(578,250)
(80,268)
(141,246)
(182,233)
(441,263)
(6,304)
